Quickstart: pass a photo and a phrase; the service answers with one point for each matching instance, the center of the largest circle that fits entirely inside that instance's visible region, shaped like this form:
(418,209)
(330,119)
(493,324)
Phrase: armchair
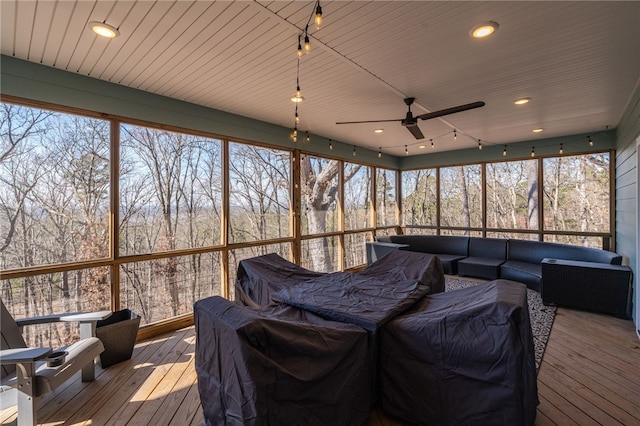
(25,374)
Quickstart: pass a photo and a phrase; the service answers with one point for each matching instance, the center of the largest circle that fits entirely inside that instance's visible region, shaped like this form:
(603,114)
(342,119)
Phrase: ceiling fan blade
(451,110)
(367,121)
(415,131)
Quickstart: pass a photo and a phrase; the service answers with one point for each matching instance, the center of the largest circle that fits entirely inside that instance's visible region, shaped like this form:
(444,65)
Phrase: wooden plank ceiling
(578,62)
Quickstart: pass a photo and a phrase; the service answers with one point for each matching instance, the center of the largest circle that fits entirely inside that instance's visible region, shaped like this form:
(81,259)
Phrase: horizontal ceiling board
(578,61)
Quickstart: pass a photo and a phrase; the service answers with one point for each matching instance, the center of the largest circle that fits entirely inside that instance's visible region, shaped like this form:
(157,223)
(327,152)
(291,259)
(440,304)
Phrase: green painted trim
(37,82)
(573,144)
(46,84)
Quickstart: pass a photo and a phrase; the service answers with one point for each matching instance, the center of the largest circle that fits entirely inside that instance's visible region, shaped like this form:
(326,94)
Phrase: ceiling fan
(411,122)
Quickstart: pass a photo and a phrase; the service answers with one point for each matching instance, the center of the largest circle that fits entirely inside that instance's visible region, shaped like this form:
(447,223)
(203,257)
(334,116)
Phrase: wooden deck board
(590,374)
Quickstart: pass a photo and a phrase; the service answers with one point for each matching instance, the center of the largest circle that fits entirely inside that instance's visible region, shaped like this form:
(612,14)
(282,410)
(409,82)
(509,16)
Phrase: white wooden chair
(26,375)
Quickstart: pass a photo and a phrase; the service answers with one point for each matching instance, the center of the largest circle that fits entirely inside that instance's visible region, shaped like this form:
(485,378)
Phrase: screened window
(319,194)
(170,190)
(386,204)
(461,196)
(357,196)
(54,187)
(512,195)
(259,193)
(577,195)
(419,200)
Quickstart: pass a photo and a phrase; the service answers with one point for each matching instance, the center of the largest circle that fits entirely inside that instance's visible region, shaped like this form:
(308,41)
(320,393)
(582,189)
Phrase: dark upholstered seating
(449,249)
(485,257)
(524,262)
(462,357)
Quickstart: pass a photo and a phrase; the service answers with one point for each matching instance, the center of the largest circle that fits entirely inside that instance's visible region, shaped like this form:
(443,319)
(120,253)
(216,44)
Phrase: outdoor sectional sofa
(566,275)
(312,354)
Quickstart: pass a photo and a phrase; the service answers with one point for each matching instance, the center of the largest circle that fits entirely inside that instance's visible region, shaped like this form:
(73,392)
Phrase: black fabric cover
(363,300)
(408,265)
(462,357)
(279,365)
(260,276)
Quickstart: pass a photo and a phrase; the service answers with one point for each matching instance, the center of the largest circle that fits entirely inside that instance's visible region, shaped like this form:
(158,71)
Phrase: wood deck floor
(590,375)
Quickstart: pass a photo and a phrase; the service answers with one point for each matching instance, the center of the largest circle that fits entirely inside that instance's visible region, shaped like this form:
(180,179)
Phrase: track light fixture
(354,150)
(590,141)
(299,47)
(455,135)
(406,150)
(307,45)
(533,151)
(432,145)
(307,137)
(504,153)
(294,135)
(561,150)
(330,145)
(380,152)
(479,145)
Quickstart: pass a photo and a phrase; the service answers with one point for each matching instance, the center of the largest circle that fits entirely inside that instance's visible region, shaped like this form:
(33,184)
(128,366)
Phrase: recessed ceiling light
(378,130)
(538,130)
(422,146)
(522,101)
(484,30)
(104,30)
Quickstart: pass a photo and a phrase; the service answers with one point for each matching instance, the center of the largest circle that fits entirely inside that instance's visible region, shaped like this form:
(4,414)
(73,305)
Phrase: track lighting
(380,152)
(297,116)
(561,150)
(406,150)
(455,135)
(432,145)
(307,137)
(307,45)
(590,141)
(330,145)
(533,151)
(294,135)
(504,153)
(299,47)
(354,150)
(479,145)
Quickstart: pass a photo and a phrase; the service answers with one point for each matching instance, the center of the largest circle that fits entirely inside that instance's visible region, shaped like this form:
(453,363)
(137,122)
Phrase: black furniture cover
(279,365)
(258,277)
(363,300)
(424,267)
(462,357)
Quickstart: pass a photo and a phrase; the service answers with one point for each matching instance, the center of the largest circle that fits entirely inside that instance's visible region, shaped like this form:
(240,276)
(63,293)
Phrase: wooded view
(175,222)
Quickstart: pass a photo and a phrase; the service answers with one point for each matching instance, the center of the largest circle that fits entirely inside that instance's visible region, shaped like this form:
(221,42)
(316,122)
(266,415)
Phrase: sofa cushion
(480,267)
(434,244)
(524,272)
(535,251)
(494,248)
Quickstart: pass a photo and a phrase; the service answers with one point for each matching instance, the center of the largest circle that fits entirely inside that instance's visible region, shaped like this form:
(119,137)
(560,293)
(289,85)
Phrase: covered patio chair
(26,374)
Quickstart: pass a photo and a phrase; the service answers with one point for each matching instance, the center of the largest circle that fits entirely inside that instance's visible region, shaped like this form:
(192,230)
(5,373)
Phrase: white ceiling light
(484,30)
(538,130)
(378,130)
(522,101)
(103,29)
